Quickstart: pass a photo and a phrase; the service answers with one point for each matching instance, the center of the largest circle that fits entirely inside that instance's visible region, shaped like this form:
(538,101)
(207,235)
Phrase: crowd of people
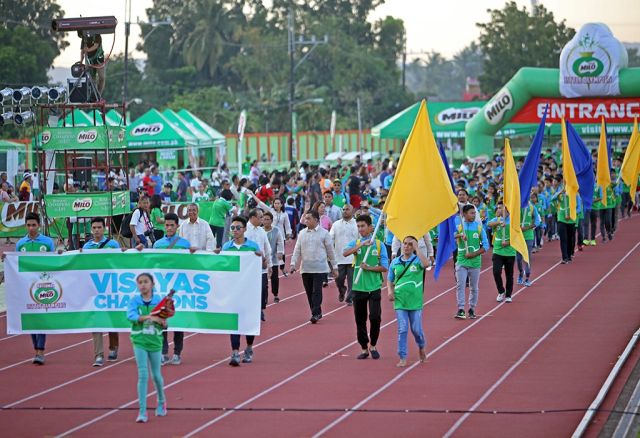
(335,216)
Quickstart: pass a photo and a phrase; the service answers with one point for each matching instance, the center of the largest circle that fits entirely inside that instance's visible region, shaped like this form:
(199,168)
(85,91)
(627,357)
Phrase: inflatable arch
(592,64)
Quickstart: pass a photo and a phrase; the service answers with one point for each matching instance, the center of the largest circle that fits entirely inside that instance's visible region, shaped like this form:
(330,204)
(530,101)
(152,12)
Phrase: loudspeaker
(78,90)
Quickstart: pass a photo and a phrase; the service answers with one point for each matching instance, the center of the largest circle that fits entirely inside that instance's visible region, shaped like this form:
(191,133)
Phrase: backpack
(125,230)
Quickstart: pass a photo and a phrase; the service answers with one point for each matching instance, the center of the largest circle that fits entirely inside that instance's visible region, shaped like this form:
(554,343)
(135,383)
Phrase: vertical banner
(91,291)
(242,123)
(332,131)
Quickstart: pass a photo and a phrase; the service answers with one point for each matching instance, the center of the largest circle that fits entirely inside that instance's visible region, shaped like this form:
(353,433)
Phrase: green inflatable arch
(527,83)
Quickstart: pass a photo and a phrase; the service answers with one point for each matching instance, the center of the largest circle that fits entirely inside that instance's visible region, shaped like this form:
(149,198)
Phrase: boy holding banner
(35,242)
(99,241)
(172,241)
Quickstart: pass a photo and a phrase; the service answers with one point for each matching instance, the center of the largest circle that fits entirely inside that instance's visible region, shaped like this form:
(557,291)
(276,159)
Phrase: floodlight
(6,94)
(20,94)
(24,117)
(57,93)
(38,93)
(6,118)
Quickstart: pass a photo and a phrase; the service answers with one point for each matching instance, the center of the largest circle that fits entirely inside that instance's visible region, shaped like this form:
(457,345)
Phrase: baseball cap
(27,175)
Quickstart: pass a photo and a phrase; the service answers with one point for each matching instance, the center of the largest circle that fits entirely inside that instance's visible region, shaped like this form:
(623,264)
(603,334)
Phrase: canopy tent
(6,145)
(197,122)
(152,130)
(79,118)
(114,118)
(201,137)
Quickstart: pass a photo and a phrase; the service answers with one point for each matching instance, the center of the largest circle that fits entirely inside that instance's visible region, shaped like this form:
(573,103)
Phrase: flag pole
(466,244)
(366,254)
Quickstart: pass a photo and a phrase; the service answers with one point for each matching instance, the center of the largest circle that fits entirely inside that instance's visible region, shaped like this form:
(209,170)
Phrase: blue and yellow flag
(420,196)
(512,202)
(569,174)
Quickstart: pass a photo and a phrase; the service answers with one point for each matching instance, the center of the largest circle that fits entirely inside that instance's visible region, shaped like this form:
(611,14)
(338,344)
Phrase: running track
(551,349)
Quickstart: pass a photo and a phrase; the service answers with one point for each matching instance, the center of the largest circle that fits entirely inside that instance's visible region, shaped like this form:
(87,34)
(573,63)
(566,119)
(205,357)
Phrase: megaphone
(6,93)
(20,94)
(38,93)
(23,117)
(6,118)
(57,93)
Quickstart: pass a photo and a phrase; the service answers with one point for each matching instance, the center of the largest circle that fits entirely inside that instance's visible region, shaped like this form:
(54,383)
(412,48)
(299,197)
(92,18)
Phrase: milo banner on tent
(78,138)
(12,216)
(87,204)
(90,291)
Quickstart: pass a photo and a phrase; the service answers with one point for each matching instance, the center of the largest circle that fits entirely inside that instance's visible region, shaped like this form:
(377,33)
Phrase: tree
(515,38)
(634,57)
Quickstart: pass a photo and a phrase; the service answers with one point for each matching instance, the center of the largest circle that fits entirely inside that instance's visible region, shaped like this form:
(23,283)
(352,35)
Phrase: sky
(442,26)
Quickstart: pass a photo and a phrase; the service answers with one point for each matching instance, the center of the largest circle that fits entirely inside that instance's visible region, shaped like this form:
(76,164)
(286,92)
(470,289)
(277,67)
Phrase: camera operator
(140,224)
(91,47)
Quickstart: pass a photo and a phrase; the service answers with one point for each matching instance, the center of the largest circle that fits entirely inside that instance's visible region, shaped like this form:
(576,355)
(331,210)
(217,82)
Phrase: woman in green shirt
(146,337)
(157,217)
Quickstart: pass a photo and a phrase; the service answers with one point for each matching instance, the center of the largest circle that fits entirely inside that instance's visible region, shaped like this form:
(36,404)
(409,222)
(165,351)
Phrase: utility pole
(292,44)
(127,31)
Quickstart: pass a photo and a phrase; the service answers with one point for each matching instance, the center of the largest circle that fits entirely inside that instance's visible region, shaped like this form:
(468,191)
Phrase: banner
(87,204)
(78,138)
(590,63)
(89,292)
(12,216)
(585,110)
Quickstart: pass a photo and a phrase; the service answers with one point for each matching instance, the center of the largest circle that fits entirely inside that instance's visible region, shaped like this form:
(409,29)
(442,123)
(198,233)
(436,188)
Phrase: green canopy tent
(217,137)
(201,137)
(153,131)
(114,118)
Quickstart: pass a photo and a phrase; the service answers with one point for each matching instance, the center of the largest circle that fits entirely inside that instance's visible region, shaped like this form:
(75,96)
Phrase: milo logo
(144,129)
(82,204)
(455,115)
(45,291)
(587,65)
(87,136)
(498,106)
(46,136)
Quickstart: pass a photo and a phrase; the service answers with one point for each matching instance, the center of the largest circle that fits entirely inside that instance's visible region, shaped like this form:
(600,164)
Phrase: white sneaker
(500,298)
(508,300)
(99,361)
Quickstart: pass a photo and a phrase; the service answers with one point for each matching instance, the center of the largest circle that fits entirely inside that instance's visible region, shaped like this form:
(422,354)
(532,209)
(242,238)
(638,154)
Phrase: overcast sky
(442,26)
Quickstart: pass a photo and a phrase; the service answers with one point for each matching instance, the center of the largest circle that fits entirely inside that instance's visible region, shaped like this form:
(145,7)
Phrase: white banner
(90,291)
(590,62)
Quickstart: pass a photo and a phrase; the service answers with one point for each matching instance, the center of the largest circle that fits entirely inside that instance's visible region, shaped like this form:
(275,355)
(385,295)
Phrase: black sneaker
(262,318)
(276,299)
(341,296)
(461,314)
(472,314)
(362,355)
(314,319)
(375,354)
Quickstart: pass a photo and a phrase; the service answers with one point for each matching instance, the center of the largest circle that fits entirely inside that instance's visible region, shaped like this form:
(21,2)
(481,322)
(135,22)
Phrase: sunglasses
(236,227)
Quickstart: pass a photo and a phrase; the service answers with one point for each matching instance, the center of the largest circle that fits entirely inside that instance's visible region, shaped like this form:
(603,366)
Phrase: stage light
(6,118)
(38,93)
(20,94)
(94,25)
(23,117)
(6,94)
(57,93)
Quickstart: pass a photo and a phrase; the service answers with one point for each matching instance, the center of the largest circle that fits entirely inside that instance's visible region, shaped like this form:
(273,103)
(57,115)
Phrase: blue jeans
(409,319)
(145,358)
(38,341)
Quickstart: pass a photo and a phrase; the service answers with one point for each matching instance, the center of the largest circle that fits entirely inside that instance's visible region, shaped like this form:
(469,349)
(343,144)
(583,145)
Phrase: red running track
(552,348)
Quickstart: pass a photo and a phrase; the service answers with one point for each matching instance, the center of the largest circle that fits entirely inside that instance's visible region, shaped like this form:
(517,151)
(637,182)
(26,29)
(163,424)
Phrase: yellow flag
(569,174)
(631,162)
(420,196)
(512,202)
(603,176)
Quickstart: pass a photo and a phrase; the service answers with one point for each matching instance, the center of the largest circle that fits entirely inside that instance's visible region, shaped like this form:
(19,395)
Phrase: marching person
(100,241)
(240,243)
(255,233)
(34,241)
(406,289)
(504,255)
(172,241)
(314,251)
(276,241)
(342,232)
(367,288)
(146,337)
(472,243)
(196,230)
(530,220)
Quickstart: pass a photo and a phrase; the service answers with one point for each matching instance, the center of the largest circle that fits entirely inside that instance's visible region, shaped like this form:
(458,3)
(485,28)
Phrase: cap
(169,185)
(27,175)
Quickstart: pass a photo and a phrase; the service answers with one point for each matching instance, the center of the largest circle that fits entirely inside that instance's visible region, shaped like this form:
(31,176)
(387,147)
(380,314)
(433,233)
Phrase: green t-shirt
(409,289)
(219,210)
(527,218)
(473,231)
(156,214)
(611,197)
(597,199)
(562,204)
(502,233)
(147,334)
(369,281)
(339,199)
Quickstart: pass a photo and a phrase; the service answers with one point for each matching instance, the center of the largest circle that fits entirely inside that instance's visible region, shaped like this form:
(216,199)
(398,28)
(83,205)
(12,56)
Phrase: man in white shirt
(342,232)
(140,223)
(196,230)
(314,248)
(256,233)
